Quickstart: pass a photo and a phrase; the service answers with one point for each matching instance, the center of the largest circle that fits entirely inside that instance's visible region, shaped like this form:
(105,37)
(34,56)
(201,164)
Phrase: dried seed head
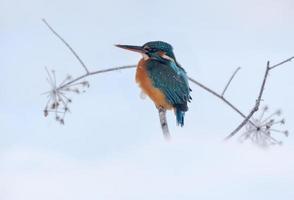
(85,84)
(68,77)
(286,133)
(263,130)
(278,112)
(58,95)
(265,108)
(61,121)
(76,90)
(54,105)
(45,112)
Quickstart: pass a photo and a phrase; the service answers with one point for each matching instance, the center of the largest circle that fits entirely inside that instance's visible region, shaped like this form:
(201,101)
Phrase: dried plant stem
(258,100)
(220,97)
(66,44)
(256,106)
(229,82)
(97,72)
(281,63)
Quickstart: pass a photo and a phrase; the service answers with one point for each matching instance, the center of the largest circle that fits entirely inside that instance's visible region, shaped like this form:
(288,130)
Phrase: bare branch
(66,44)
(134,66)
(257,103)
(281,63)
(220,97)
(256,106)
(229,82)
(163,123)
(97,72)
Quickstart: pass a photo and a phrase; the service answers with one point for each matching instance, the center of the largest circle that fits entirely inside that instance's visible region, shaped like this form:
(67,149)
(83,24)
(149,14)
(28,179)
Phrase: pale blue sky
(111,146)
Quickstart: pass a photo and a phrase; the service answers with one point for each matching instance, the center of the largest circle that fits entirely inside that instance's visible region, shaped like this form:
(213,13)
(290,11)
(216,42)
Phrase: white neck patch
(145,56)
(167,57)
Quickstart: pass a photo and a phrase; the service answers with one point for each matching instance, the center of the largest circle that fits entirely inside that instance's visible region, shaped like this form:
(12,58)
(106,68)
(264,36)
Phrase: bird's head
(150,49)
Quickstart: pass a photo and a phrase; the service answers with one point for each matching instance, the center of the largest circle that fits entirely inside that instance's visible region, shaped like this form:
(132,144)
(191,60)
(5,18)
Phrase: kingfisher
(163,79)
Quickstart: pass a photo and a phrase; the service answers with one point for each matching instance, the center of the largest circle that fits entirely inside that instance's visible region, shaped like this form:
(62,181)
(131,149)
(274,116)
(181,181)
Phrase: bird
(163,79)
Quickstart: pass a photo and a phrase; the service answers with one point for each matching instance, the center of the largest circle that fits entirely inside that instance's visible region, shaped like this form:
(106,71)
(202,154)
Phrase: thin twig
(257,103)
(229,82)
(256,106)
(97,72)
(220,97)
(283,62)
(66,44)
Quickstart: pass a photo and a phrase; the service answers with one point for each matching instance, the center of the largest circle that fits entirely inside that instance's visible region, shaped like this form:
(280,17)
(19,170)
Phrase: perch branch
(229,82)
(97,72)
(163,123)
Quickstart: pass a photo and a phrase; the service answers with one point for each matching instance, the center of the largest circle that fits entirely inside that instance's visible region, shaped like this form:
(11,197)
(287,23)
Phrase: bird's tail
(163,123)
(180,117)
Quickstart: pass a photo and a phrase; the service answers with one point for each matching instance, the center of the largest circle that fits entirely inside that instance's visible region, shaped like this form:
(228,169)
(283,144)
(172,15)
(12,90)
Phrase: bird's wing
(171,80)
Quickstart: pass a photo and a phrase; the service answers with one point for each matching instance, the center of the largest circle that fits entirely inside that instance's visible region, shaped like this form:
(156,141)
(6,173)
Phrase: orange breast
(146,85)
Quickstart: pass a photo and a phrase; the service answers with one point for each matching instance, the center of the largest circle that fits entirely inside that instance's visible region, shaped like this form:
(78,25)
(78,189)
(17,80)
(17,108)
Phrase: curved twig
(97,72)
(256,106)
(281,63)
(229,82)
(66,44)
(220,97)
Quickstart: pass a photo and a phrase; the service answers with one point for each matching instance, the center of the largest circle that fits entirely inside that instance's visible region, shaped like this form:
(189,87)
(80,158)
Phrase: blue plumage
(168,76)
(159,64)
(180,117)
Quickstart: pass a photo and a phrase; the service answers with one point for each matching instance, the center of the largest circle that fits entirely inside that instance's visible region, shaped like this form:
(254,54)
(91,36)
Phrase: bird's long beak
(138,49)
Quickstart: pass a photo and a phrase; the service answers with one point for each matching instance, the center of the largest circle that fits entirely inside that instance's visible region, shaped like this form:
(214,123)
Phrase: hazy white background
(111,146)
